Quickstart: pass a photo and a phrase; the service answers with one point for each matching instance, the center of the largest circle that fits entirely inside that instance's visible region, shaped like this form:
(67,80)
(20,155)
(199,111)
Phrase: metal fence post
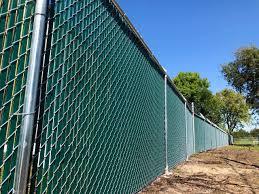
(24,149)
(166,146)
(193,128)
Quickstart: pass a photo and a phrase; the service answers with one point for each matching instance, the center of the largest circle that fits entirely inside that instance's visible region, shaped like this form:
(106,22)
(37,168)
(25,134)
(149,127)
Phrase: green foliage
(227,108)
(243,74)
(233,109)
(245,134)
(241,134)
(255,133)
(194,88)
(213,110)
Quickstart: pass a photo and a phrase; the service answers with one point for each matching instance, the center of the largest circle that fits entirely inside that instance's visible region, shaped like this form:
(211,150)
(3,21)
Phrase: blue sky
(195,35)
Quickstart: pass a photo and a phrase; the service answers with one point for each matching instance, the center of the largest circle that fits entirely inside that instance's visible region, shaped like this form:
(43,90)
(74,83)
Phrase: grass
(249,141)
(246,147)
(244,142)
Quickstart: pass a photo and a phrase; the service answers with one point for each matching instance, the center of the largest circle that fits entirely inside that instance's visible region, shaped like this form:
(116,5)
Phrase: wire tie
(24,114)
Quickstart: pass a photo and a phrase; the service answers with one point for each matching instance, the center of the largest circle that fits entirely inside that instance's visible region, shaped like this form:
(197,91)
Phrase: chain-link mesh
(199,134)
(214,134)
(15,35)
(99,124)
(222,138)
(208,136)
(103,119)
(190,133)
(176,128)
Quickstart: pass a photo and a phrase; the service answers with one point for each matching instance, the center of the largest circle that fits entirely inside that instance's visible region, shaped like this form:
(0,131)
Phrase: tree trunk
(230,139)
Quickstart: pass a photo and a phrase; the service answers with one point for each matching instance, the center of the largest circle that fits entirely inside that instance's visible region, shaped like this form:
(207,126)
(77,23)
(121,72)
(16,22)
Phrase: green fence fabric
(199,126)
(190,133)
(103,119)
(15,35)
(214,134)
(100,116)
(208,136)
(176,128)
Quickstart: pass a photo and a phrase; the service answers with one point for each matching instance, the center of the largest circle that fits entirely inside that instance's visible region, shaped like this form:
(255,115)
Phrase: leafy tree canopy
(234,110)
(241,134)
(255,133)
(243,74)
(244,134)
(196,89)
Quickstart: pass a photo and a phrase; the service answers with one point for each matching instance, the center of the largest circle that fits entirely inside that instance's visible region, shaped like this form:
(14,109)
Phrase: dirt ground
(230,169)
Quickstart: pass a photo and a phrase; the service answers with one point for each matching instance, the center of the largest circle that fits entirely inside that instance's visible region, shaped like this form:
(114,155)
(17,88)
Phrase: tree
(243,74)
(241,134)
(254,133)
(193,87)
(213,110)
(234,109)
(196,89)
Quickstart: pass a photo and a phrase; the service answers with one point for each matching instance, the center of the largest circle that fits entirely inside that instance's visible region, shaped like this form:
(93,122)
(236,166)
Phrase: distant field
(246,141)
(248,147)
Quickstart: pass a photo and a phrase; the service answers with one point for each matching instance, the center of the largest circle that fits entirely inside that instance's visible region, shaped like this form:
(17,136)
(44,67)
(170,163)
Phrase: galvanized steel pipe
(24,149)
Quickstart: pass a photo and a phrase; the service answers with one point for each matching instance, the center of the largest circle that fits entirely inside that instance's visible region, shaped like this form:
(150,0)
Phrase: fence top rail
(156,62)
(150,54)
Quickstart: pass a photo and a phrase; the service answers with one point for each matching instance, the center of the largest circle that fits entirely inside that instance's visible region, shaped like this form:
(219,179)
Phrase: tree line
(230,108)
(245,134)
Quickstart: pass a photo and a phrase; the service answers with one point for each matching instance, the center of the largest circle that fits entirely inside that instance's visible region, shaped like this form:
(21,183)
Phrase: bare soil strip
(230,169)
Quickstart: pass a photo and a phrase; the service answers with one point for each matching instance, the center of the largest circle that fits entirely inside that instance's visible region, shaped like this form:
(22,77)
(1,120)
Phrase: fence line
(107,118)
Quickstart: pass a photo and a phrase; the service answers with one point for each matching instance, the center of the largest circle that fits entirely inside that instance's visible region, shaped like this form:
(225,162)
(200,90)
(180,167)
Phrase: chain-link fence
(106,118)
(190,144)
(176,128)
(207,135)
(16,18)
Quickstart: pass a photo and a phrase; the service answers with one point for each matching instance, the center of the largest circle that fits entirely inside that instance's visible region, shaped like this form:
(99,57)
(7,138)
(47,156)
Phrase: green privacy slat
(103,119)
(199,134)
(15,34)
(101,128)
(190,133)
(176,128)
(208,136)
(100,116)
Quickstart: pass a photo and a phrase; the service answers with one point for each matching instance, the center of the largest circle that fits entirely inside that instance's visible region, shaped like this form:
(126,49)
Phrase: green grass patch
(242,147)
(246,141)
(243,142)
